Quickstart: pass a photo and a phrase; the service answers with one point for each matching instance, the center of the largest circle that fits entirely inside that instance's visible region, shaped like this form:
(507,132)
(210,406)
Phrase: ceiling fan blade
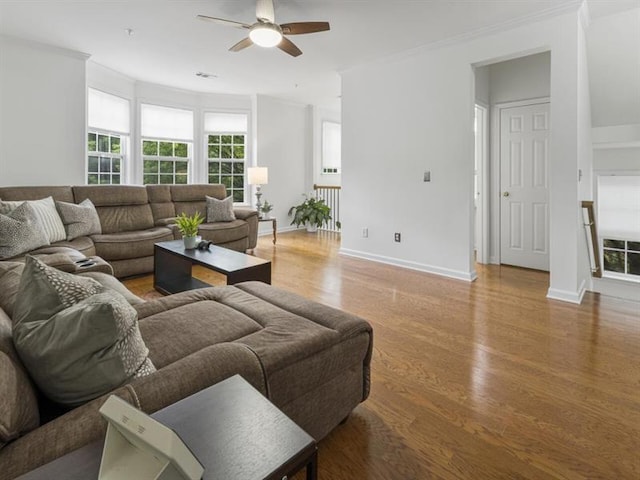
(304,27)
(222,21)
(241,45)
(288,46)
(264,11)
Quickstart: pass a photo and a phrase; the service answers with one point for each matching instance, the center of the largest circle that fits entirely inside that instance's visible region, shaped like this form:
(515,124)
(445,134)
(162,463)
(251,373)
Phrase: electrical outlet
(365,233)
(396,237)
(427,176)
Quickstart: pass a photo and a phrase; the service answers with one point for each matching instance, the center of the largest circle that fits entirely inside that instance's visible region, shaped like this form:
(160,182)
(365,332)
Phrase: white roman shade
(619,207)
(331,146)
(225,122)
(108,112)
(166,123)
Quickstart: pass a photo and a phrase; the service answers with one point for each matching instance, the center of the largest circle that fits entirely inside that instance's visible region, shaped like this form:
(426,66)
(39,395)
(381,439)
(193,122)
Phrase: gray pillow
(47,214)
(79,220)
(220,210)
(77,339)
(20,232)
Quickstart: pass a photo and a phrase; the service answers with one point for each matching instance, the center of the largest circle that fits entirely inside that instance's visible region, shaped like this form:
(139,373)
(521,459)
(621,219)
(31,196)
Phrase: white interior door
(524,186)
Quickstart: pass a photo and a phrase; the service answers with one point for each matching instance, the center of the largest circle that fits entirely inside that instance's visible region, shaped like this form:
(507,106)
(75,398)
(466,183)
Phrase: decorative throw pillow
(20,232)
(79,220)
(77,339)
(47,214)
(220,210)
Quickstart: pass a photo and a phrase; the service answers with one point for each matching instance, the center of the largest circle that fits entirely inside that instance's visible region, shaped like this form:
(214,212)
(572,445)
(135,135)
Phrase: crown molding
(44,46)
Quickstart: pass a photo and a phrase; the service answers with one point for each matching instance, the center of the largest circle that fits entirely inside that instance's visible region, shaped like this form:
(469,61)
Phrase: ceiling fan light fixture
(265,34)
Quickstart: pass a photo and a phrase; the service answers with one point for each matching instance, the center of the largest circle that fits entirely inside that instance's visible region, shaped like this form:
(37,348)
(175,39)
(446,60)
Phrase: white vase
(190,242)
(312,228)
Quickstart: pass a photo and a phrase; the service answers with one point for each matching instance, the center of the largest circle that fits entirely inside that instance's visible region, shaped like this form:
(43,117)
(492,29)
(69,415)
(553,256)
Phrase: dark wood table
(235,432)
(274,226)
(172,266)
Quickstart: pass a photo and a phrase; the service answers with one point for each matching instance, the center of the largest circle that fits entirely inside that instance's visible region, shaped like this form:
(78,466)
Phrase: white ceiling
(170,45)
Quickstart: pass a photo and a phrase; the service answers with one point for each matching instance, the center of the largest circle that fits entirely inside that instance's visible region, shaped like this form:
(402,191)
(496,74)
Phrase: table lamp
(258,176)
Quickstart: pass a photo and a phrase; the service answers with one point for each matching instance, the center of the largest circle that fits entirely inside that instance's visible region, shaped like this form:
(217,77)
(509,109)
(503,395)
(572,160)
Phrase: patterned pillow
(20,232)
(79,220)
(220,210)
(77,339)
(47,214)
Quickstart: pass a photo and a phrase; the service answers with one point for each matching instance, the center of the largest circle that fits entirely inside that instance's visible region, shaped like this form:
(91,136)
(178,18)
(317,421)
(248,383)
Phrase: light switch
(427,176)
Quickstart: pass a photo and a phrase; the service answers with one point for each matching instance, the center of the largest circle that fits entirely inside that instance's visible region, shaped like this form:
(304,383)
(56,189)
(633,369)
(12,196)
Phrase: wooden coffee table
(173,264)
(233,430)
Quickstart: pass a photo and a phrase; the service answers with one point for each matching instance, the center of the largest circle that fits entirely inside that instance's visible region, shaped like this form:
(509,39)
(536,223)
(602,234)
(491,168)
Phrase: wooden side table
(233,430)
(274,222)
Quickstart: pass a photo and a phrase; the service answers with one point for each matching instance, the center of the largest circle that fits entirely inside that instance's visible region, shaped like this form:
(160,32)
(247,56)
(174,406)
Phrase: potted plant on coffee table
(188,226)
(312,213)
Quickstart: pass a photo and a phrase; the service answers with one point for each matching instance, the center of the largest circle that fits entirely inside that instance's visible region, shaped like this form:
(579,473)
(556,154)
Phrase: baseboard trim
(443,272)
(567,295)
(268,232)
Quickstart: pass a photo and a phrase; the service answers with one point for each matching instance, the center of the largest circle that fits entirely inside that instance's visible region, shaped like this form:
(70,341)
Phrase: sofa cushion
(79,220)
(59,193)
(111,195)
(220,210)
(162,206)
(77,339)
(18,400)
(10,274)
(224,232)
(197,193)
(48,216)
(20,231)
(126,245)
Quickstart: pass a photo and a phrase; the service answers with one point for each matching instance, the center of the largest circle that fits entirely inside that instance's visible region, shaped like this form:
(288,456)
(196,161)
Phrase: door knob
(505,194)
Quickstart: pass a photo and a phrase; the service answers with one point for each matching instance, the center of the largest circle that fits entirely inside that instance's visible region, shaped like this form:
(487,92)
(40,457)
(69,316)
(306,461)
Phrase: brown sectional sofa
(310,360)
(134,218)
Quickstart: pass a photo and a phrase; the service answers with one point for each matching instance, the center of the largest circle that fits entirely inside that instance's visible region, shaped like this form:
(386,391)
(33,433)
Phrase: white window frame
(161,158)
(232,160)
(124,145)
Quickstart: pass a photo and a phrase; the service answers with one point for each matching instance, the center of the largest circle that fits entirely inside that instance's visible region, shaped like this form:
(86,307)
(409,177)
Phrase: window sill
(633,279)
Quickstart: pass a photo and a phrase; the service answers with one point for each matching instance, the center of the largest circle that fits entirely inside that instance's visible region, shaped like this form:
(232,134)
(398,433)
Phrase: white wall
(42,114)
(520,79)
(425,99)
(283,138)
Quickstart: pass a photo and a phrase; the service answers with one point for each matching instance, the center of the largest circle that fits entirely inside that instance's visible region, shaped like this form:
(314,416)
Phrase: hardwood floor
(488,380)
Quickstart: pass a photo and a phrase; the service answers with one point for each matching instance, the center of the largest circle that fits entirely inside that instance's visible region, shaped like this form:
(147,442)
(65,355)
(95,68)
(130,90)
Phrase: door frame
(482,252)
(495,203)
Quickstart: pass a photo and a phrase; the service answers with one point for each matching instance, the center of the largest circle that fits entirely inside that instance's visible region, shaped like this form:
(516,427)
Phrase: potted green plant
(312,213)
(188,226)
(266,209)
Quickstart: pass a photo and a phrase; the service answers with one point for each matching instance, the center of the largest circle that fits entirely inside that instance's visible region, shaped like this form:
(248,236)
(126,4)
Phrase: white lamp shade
(258,175)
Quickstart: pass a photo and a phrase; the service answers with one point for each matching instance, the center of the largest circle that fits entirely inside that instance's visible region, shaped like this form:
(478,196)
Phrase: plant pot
(190,242)
(312,228)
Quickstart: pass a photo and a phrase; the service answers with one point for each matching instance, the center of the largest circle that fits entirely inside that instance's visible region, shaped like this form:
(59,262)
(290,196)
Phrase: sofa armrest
(251,217)
(245,213)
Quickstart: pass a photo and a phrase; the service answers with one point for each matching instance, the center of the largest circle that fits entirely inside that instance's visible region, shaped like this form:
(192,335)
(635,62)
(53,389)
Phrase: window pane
(166,166)
(91,144)
(103,143)
(115,165)
(150,179)
(213,179)
(92,179)
(226,151)
(149,148)
(214,151)
(238,181)
(115,144)
(226,180)
(614,261)
(182,167)
(614,244)
(238,196)
(238,167)
(181,150)
(105,165)
(214,139)
(166,179)
(105,179)
(226,139)
(181,179)
(226,167)
(633,263)
(214,167)
(166,149)
(238,152)
(150,166)
(93,164)
(635,246)
(115,179)
(238,139)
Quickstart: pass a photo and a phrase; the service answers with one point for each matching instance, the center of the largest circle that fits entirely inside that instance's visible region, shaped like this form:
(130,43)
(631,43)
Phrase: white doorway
(479,183)
(524,183)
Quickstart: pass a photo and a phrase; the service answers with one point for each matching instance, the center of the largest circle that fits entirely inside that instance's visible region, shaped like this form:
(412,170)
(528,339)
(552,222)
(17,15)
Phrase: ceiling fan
(266,33)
